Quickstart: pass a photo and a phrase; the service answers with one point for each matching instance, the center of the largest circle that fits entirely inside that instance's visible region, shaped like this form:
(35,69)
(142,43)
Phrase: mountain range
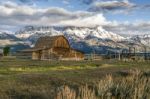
(88,40)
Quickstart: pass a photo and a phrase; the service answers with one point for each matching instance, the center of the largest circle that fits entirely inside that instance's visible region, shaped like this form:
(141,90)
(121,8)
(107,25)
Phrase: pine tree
(6,50)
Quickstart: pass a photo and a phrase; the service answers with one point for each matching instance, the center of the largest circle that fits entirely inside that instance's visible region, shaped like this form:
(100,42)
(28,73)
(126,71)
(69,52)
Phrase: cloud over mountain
(20,13)
(24,15)
(127,28)
(104,6)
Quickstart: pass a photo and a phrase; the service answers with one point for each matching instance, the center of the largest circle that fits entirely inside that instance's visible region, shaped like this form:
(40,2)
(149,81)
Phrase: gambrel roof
(46,42)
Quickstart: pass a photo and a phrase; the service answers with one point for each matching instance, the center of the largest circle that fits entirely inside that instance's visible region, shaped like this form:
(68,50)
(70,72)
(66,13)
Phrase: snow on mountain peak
(99,28)
(79,32)
(81,38)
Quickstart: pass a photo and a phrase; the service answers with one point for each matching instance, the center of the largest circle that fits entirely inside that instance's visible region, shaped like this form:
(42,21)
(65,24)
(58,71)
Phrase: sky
(127,17)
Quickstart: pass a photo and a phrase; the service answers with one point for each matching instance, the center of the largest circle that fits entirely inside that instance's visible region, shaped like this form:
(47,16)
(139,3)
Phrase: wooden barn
(54,48)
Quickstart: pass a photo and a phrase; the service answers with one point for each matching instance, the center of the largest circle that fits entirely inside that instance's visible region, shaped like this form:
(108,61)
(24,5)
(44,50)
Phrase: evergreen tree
(6,50)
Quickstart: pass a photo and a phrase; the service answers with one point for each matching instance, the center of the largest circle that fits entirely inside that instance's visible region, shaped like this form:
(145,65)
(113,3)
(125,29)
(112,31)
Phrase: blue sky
(120,16)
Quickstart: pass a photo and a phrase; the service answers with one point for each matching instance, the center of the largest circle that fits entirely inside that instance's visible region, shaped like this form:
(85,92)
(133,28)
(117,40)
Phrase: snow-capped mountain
(85,39)
(7,39)
(4,36)
(143,39)
(81,38)
(78,32)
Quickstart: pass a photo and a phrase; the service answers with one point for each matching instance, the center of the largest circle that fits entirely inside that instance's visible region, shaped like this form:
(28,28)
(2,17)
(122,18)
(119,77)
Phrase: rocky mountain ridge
(82,38)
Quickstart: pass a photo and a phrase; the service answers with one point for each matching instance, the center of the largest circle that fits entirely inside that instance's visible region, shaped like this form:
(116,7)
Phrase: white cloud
(14,15)
(90,21)
(104,6)
(127,28)
(66,2)
(21,15)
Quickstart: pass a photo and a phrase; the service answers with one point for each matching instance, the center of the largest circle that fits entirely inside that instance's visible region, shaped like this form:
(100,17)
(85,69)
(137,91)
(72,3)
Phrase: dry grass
(25,79)
(135,86)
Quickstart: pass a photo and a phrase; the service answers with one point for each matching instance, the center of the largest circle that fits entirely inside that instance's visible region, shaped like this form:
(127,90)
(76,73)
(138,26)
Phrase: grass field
(27,79)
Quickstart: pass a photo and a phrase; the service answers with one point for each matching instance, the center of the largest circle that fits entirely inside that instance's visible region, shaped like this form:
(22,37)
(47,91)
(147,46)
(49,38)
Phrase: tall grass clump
(83,92)
(64,92)
(134,86)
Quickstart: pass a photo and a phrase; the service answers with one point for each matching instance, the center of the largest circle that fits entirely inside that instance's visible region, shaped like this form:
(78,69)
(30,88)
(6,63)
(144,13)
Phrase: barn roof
(31,50)
(46,42)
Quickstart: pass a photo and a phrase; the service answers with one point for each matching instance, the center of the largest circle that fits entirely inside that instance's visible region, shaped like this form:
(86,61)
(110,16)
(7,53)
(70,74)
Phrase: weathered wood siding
(76,54)
(61,42)
(35,55)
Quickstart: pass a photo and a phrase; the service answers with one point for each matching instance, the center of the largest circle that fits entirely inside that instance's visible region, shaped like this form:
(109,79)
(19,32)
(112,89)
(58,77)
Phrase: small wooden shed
(54,47)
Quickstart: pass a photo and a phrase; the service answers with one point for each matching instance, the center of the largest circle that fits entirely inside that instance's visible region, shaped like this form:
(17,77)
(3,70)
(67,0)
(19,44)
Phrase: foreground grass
(26,79)
(135,85)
